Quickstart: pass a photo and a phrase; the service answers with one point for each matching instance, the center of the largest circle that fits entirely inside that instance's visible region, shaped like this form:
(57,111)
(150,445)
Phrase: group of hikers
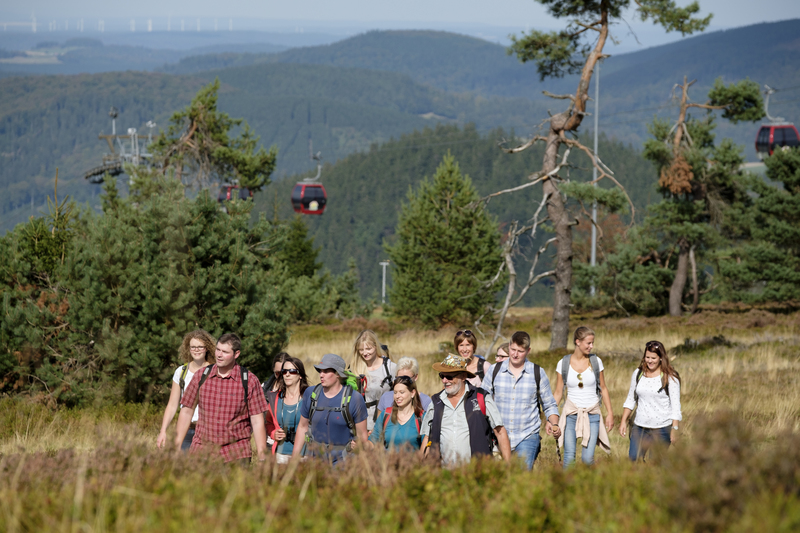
(483,409)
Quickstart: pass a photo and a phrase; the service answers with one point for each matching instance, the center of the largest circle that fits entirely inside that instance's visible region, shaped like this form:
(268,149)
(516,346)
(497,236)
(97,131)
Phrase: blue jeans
(571,441)
(528,449)
(187,440)
(642,439)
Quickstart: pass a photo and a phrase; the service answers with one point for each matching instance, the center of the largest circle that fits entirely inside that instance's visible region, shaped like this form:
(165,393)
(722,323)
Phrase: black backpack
(245,375)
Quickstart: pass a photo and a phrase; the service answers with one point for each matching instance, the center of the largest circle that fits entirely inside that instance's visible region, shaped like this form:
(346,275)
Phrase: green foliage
(766,265)
(298,252)
(612,199)
(742,100)
(446,253)
(199,138)
(564,52)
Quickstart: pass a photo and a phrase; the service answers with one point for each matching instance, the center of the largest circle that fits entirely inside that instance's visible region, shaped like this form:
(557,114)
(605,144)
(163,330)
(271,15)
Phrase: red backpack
(388,416)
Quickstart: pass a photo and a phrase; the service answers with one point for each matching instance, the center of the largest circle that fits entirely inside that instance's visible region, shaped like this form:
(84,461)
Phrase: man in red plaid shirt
(226,421)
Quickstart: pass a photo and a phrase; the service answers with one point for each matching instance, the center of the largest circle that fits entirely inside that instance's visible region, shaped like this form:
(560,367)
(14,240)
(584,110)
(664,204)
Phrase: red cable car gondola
(309,198)
(777,134)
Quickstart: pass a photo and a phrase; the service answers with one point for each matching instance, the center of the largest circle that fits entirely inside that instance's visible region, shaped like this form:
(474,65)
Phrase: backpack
(595,369)
(417,419)
(357,382)
(537,374)
(182,383)
(480,373)
(344,408)
(245,375)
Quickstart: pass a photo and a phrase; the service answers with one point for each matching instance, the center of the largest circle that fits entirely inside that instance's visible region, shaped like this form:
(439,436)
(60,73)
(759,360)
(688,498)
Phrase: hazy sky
(359,15)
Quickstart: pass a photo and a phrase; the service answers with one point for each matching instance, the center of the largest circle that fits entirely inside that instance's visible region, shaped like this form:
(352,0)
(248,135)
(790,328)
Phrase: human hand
(548,428)
(609,421)
(556,431)
(279,435)
(162,439)
(673,436)
(623,428)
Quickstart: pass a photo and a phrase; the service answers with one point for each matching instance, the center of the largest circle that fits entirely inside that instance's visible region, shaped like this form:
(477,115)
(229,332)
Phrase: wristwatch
(675,428)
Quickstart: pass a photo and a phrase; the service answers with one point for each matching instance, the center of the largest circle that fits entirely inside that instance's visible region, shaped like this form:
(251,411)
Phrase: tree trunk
(695,285)
(562,223)
(679,283)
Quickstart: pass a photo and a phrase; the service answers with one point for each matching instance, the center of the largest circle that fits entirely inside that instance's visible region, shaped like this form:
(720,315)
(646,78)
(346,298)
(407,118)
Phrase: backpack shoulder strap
(182,382)
(596,370)
(313,407)
(481,373)
(497,371)
(245,376)
(386,416)
(481,401)
(388,378)
(537,375)
(636,394)
(206,372)
(345,406)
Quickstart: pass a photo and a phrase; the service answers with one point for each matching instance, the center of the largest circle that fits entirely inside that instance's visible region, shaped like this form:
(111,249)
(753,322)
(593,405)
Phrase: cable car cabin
(309,198)
(772,136)
(232,192)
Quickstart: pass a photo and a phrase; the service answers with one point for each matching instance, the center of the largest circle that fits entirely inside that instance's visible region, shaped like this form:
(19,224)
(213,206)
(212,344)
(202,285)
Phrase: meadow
(736,466)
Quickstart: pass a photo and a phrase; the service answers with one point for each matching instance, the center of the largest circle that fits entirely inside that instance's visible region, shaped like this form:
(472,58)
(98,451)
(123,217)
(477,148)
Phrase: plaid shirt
(224,417)
(516,399)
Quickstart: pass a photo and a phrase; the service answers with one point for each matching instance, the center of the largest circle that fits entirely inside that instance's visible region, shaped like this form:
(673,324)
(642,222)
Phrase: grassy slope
(735,467)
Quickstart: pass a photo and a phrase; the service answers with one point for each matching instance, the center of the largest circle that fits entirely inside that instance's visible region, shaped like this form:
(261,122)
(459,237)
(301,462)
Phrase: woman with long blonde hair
(371,360)
(197,352)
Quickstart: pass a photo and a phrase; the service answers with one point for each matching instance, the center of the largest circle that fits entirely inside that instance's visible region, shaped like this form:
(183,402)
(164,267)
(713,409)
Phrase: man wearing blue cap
(333,417)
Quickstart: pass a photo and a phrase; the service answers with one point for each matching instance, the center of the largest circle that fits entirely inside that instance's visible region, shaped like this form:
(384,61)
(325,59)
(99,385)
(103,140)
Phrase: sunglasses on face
(448,377)
(465,332)
(287,371)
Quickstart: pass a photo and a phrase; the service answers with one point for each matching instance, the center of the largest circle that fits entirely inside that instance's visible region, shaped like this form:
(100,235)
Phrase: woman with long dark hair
(655,393)
(197,352)
(283,415)
(399,425)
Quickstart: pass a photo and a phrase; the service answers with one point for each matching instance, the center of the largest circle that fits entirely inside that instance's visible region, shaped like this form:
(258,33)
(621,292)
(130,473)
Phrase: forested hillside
(365,190)
(48,122)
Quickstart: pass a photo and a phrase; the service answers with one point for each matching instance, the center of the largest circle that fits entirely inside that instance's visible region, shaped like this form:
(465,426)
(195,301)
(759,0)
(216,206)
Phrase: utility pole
(384,264)
(594,170)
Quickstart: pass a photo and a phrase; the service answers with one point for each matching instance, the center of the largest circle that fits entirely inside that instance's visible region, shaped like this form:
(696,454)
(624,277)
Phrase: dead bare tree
(577,49)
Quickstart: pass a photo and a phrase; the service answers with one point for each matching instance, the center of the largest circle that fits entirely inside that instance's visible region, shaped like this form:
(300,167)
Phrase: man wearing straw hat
(460,420)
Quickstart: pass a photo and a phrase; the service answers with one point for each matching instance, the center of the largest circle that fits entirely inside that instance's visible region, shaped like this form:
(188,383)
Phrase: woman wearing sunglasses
(466,344)
(197,352)
(580,376)
(283,414)
(655,393)
(399,425)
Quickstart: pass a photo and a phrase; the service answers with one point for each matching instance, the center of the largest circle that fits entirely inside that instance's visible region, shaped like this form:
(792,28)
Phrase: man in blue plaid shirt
(513,386)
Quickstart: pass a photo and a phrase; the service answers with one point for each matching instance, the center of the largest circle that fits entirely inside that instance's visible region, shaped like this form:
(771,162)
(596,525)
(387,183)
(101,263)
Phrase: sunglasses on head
(652,346)
(287,371)
(465,332)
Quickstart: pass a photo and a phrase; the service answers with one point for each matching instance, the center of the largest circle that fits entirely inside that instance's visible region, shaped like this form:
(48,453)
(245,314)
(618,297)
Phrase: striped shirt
(224,418)
(516,400)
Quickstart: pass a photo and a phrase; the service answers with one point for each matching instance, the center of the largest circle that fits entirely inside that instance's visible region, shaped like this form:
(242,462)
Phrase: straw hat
(453,363)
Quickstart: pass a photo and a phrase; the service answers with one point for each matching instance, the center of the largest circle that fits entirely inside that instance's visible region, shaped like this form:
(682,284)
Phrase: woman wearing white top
(656,389)
(581,415)
(197,351)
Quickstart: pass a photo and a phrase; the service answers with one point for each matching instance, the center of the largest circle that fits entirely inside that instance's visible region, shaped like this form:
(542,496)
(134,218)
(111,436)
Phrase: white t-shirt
(376,386)
(582,397)
(176,378)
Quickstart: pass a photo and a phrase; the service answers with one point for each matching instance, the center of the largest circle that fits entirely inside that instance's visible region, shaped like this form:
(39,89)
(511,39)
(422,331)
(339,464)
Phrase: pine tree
(298,252)
(766,266)
(446,252)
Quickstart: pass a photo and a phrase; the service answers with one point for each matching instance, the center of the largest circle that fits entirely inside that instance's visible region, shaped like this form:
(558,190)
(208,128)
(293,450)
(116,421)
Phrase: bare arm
(623,424)
(184,421)
(423,449)
(559,388)
(300,437)
(503,442)
(362,435)
(260,433)
(169,413)
(606,402)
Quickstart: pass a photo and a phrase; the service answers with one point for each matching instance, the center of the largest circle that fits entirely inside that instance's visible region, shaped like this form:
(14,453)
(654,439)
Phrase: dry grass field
(736,467)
